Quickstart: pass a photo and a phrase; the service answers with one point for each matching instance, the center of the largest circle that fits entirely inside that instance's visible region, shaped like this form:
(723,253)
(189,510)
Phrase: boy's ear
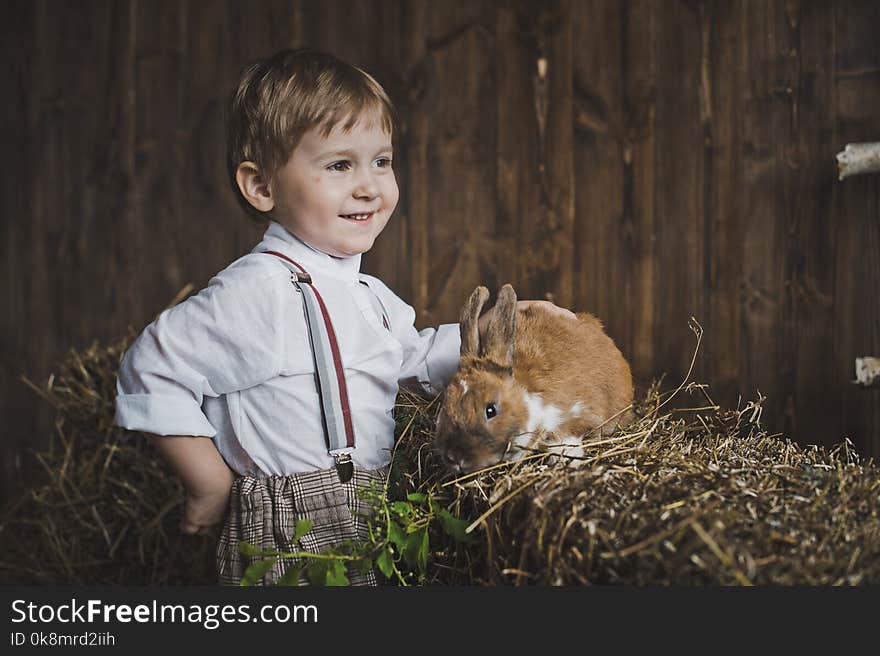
(254,187)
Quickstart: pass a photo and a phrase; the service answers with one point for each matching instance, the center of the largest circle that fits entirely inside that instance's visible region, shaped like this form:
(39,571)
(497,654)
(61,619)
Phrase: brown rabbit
(540,381)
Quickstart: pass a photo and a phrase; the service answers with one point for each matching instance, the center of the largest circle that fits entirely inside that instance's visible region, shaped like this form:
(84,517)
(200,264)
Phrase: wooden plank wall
(663,160)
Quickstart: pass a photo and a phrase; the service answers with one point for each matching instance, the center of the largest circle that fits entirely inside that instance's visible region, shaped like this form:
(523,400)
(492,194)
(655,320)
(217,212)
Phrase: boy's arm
(431,355)
(226,338)
(223,339)
(204,474)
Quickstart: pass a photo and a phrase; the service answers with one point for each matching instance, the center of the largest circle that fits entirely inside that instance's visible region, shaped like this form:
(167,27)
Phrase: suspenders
(335,407)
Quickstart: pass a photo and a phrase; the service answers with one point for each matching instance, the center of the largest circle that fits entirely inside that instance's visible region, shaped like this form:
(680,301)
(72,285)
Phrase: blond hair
(280,98)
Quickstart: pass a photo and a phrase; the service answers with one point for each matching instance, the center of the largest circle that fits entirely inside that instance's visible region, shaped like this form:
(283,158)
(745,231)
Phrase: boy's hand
(483,323)
(205,476)
(547,305)
(203,511)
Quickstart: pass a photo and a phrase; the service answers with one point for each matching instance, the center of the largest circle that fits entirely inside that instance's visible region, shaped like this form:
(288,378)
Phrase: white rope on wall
(858,158)
(867,371)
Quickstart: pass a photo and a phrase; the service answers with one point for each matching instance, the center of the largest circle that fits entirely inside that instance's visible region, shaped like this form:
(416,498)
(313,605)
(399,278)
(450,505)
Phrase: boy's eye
(384,162)
(339,166)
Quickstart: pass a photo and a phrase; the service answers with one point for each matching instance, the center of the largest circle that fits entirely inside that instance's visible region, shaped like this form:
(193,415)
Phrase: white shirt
(234,362)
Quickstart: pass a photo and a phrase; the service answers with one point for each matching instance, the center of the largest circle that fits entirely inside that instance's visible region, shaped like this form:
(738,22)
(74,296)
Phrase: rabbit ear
(502,328)
(469,322)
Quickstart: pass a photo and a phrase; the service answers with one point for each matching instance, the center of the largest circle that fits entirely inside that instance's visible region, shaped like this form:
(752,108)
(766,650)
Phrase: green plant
(398,544)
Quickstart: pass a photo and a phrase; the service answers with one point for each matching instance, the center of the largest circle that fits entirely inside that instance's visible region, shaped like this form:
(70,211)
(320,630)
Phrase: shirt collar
(278,238)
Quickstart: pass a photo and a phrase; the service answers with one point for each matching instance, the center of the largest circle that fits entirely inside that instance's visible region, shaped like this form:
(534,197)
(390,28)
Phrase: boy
(310,148)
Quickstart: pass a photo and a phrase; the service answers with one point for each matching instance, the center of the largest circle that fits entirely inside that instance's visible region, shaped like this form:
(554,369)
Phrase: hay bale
(106,507)
(682,497)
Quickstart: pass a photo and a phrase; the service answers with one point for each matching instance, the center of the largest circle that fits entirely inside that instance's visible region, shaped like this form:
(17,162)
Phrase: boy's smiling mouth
(359,218)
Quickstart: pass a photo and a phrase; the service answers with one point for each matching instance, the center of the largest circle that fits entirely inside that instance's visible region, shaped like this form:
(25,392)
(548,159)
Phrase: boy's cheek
(392,196)
(384,222)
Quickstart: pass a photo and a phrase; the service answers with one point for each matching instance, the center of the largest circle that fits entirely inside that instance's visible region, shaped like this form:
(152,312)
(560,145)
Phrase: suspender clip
(344,467)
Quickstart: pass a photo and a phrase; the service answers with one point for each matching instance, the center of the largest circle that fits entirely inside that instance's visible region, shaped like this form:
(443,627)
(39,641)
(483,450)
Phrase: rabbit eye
(491,411)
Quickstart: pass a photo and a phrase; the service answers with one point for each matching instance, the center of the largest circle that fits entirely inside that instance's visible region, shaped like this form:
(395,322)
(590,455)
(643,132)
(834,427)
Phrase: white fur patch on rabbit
(542,415)
(544,418)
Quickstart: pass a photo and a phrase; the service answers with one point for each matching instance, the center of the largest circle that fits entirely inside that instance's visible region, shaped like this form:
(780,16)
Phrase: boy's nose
(366,186)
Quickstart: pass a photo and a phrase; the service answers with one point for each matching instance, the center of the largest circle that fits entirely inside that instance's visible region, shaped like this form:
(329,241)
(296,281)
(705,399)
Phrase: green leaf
(317,572)
(363,565)
(416,497)
(290,577)
(416,551)
(402,508)
(454,526)
(385,563)
(247,549)
(256,570)
(423,553)
(303,526)
(336,574)
(397,536)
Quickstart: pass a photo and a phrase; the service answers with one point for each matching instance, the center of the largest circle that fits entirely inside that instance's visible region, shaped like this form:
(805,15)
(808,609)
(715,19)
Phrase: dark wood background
(676,160)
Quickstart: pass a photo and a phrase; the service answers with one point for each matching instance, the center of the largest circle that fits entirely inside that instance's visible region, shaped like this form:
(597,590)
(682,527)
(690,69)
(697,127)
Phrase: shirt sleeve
(430,355)
(225,338)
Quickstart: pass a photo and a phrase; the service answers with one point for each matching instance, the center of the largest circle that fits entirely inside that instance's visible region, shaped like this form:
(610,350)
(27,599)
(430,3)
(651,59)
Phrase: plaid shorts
(264,511)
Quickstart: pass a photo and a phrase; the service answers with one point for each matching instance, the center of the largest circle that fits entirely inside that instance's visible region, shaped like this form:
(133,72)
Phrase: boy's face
(337,193)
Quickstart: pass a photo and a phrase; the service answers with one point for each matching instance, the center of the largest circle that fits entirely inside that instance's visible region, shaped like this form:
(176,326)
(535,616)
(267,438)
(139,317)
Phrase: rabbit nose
(452,461)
